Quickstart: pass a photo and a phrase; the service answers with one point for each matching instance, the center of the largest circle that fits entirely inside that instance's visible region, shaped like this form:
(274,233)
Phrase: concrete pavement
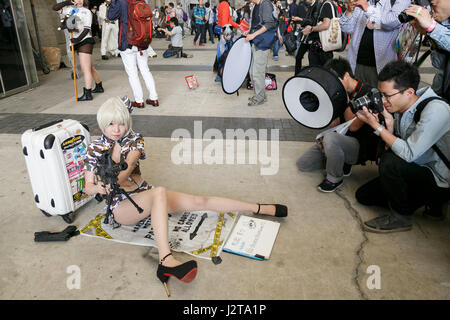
(321,251)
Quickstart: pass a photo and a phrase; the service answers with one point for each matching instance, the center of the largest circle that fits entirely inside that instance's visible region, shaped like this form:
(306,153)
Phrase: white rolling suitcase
(54,154)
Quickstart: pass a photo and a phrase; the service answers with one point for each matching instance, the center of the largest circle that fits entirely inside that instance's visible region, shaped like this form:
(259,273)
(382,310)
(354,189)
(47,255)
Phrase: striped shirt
(386,30)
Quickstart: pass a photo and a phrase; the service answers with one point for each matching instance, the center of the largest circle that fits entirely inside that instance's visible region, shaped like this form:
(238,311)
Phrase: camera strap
(417,115)
(358,88)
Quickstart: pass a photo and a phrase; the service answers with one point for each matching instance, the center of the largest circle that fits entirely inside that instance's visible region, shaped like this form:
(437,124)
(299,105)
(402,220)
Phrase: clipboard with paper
(252,238)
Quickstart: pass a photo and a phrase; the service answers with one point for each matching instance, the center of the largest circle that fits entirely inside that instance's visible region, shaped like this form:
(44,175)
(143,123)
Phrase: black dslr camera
(371,101)
(404,18)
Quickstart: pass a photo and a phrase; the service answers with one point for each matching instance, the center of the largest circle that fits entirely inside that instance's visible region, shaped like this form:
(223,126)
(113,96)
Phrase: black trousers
(304,47)
(200,32)
(405,186)
(318,57)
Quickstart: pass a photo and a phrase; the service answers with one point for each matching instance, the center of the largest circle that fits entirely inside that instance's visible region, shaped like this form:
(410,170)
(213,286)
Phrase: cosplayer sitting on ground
(176,38)
(83,44)
(118,137)
(223,47)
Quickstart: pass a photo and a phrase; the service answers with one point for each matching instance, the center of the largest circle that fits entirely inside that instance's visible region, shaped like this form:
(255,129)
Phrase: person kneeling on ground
(122,142)
(176,37)
(336,153)
(223,47)
(416,170)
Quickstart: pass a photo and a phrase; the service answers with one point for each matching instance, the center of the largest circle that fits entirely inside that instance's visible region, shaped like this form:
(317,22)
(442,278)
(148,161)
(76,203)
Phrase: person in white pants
(110,32)
(132,60)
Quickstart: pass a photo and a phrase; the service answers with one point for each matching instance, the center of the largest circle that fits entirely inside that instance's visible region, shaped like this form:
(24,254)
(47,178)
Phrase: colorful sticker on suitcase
(74,150)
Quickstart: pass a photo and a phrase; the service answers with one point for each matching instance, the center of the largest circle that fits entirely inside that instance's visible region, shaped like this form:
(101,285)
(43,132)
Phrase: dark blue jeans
(276,46)
(211,32)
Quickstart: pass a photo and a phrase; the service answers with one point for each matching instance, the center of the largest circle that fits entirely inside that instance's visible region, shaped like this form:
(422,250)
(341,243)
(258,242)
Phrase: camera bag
(290,42)
(54,155)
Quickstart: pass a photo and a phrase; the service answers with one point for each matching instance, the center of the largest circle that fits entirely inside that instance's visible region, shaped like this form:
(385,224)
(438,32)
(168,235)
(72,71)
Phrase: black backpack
(290,42)
(417,115)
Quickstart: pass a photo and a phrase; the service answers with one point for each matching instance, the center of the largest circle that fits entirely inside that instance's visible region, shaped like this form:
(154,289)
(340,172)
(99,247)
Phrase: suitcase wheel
(46,213)
(67,218)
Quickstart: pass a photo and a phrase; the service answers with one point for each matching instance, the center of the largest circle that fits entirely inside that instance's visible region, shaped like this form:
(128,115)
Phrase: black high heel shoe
(185,272)
(280,210)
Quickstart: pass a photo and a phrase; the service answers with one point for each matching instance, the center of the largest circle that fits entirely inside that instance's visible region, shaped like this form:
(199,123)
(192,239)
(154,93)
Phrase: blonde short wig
(114,110)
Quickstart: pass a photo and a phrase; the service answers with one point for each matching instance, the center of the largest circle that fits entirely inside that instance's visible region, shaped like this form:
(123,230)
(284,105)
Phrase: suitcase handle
(49,124)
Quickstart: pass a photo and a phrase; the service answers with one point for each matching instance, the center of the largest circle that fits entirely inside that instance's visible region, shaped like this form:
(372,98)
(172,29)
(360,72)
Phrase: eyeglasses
(387,97)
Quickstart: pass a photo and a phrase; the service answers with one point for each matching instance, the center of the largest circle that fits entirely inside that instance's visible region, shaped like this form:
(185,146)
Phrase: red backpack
(140,26)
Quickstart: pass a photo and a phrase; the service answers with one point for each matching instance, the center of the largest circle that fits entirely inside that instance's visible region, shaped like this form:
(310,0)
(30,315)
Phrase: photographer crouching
(336,152)
(437,28)
(416,170)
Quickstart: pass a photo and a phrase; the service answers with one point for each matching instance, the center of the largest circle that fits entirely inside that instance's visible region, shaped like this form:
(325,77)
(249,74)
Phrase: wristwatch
(379,129)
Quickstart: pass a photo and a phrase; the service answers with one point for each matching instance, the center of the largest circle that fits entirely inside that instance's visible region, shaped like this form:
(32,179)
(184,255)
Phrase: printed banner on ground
(198,233)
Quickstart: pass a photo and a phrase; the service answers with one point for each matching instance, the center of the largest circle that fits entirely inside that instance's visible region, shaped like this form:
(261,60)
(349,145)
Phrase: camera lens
(357,104)
(404,18)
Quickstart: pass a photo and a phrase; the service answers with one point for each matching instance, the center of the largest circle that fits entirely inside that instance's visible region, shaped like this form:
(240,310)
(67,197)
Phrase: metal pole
(73,69)
(3,85)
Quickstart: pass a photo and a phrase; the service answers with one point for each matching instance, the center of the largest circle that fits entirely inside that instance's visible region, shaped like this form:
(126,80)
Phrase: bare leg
(158,202)
(86,66)
(154,202)
(178,202)
(95,74)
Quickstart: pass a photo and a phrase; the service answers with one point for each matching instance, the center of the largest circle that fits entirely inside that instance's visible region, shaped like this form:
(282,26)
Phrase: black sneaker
(347,170)
(388,223)
(105,57)
(328,186)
